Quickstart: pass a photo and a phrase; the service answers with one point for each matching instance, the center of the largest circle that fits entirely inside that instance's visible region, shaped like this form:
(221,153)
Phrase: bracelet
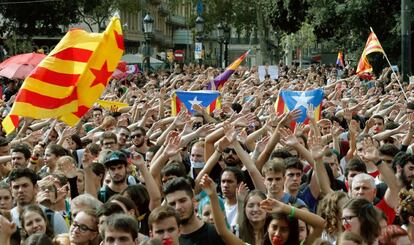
(378,163)
(292,213)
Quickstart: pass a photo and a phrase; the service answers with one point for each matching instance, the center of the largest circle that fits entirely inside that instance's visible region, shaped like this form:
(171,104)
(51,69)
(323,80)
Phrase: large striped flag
(71,78)
(291,100)
(372,45)
(210,100)
(219,81)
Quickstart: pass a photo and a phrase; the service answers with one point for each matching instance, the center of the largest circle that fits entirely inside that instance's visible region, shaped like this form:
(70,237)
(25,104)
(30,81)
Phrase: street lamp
(148,31)
(220,35)
(199,25)
(227,35)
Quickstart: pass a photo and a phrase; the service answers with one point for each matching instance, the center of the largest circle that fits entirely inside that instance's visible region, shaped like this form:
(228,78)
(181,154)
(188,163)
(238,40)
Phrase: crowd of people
(239,175)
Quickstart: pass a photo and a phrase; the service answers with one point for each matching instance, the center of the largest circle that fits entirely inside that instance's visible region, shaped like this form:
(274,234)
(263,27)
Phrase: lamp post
(199,24)
(220,35)
(148,31)
(227,35)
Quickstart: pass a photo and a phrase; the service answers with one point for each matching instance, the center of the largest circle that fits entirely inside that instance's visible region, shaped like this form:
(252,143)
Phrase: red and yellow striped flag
(372,45)
(71,78)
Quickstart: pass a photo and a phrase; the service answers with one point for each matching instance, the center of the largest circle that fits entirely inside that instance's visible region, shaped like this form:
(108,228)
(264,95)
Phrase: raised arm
(153,192)
(257,177)
(315,221)
(218,216)
(371,153)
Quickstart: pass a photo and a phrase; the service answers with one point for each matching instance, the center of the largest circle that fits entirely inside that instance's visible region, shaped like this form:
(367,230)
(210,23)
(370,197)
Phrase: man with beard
(139,141)
(115,164)
(23,182)
(123,135)
(230,180)
(404,166)
(179,195)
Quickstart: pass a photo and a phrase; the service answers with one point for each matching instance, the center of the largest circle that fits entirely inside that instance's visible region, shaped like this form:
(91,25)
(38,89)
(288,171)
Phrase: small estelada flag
(210,100)
(291,100)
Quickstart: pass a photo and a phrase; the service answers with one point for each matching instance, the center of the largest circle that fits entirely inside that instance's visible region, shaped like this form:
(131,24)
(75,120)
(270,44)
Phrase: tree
(43,18)
(98,12)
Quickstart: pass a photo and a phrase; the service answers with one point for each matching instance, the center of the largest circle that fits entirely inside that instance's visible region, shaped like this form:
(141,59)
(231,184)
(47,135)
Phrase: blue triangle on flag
(203,98)
(301,100)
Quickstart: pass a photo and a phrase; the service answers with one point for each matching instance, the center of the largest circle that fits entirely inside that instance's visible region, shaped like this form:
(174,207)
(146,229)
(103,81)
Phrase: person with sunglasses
(84,229)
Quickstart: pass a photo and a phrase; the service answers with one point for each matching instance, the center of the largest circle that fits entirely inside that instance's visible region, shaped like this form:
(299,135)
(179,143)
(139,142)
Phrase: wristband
(292,213)
(378,163)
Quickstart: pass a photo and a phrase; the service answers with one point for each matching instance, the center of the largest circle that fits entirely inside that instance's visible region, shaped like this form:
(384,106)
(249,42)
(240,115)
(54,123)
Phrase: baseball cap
(115,157)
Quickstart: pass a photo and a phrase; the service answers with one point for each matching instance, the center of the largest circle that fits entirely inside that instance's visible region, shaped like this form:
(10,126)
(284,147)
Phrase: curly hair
(406,207)
(330,210)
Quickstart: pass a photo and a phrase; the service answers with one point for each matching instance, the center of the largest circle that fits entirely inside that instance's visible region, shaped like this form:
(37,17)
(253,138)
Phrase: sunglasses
(136,136)
(228,150)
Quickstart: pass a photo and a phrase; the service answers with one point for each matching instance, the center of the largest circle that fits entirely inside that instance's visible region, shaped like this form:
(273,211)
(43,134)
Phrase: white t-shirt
(231,214)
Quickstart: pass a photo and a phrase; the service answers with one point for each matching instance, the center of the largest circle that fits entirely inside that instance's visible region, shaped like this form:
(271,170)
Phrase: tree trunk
(262,35)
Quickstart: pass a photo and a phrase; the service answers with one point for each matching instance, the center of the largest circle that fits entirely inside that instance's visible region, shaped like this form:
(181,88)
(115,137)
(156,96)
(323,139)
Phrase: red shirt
(388,211)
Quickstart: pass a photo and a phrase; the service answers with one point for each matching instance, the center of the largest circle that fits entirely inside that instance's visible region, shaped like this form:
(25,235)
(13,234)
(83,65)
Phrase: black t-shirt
(105,193)
(206,235)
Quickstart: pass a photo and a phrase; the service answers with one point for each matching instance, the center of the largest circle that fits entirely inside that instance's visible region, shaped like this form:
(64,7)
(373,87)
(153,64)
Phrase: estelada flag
(219,81)
(372,45)
(71,78)
(291,100)
(210,100)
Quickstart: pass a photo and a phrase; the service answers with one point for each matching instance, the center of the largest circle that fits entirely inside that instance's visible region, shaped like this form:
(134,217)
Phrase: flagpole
(396,77)
(393,72)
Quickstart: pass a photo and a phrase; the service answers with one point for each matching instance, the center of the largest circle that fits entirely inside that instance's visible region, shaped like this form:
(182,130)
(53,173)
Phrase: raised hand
(198,108)
(261,144)
(67,168)
(315,147)
(336,130)
(299,128)
(271,205)
(288,138)
(242,191)
(138,160)
(173,146)
(310,112)
(371,152)
(204,130)
(208,185)
(229,132)
(180,119)
(348,115)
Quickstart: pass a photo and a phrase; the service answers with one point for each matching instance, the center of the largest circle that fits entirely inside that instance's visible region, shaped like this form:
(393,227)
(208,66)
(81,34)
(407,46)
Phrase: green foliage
(286,15)
(42,18)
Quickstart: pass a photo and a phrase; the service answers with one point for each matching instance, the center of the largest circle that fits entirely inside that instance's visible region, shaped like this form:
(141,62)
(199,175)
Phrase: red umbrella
(18,71)
(21,65)
(24,59)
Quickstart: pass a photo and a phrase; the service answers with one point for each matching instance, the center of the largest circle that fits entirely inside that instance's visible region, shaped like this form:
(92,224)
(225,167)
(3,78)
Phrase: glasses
(348,218)
(82,228)
(228,150)
(136,136)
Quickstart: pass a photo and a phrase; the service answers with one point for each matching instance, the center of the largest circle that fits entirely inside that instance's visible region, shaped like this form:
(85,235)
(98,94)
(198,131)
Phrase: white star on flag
(302,100)
(195,102)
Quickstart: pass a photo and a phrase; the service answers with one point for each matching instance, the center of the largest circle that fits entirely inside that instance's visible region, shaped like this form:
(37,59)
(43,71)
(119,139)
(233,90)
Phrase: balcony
(163,10)
(176,20)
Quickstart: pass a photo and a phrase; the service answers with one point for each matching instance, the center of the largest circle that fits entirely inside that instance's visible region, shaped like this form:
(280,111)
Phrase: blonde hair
(330,211)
